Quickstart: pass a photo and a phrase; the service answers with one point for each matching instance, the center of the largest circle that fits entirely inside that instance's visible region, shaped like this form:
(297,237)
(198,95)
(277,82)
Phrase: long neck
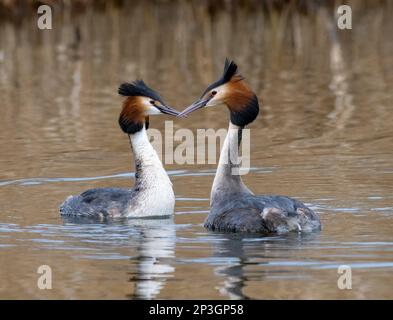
(148,167)
(227,181)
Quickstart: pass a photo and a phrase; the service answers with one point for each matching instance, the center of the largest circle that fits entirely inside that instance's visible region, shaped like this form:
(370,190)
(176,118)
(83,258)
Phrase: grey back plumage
(99,202)
(261,214)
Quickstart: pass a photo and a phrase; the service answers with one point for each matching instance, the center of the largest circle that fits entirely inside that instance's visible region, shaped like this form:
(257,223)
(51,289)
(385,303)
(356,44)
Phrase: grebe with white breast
(234,208)
(152,194)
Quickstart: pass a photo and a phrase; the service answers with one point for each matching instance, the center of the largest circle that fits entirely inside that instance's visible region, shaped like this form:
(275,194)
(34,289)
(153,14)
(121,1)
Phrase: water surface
(324,135)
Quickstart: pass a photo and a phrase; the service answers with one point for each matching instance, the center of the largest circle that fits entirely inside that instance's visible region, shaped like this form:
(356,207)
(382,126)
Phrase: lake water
(324,136)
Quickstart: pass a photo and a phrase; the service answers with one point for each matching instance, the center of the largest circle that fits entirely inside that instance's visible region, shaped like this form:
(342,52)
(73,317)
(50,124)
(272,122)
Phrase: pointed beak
(168,110)
(195,106)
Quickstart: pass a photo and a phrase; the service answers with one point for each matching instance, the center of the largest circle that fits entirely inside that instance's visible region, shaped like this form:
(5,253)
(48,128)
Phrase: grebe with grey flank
(233,207)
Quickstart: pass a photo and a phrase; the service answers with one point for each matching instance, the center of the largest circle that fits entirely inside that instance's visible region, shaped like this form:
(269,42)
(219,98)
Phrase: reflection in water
(156,250)
(324,136)
(232,272)
(343,104)
(241,251)
(154,242)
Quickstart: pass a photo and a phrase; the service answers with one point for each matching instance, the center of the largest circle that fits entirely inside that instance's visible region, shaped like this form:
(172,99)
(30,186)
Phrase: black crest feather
(230,69)
(138,88)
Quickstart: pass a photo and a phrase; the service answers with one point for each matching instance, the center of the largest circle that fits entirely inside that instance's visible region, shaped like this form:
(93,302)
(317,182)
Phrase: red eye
(214,93)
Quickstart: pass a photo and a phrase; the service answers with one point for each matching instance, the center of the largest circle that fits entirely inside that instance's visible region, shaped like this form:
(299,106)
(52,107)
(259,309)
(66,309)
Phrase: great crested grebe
(234,208)
(152,194)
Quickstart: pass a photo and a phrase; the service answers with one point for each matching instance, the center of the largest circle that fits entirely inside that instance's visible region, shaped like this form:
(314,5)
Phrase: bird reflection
(233,274)
(241,250)
(156,250)
(154,240)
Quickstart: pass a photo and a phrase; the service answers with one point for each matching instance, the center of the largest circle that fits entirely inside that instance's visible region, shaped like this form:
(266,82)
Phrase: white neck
(227,180)
(144,153)
(154,189)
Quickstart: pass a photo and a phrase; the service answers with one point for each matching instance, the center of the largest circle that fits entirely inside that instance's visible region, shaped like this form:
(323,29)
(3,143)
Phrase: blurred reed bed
(94,45)
(17,10)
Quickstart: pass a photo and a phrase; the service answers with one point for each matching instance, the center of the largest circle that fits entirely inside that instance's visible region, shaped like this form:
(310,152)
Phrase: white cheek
(217,99)
(151,110)
(146,102)
(211,103)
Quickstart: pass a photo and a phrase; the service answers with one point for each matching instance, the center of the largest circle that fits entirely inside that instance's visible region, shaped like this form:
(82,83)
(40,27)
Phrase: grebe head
(141,102)
(231,90)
